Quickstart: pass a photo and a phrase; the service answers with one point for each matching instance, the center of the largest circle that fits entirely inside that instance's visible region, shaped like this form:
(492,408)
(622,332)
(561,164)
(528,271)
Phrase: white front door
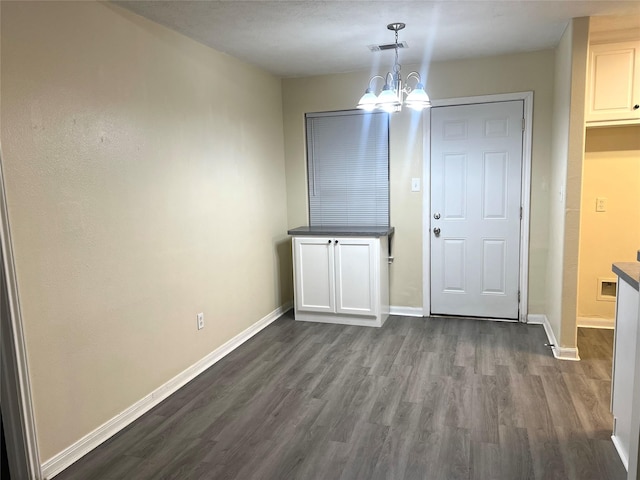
(476,166)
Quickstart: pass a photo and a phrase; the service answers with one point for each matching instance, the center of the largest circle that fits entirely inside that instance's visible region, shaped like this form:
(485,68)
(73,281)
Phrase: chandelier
(393,92)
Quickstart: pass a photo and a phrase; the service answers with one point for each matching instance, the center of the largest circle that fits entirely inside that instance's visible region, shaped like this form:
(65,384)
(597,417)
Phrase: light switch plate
(601,204)
(415,184)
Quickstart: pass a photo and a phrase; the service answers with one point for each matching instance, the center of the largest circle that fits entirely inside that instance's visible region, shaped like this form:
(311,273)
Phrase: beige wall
(566,174)
(501,74)
(141,190)
(611,170)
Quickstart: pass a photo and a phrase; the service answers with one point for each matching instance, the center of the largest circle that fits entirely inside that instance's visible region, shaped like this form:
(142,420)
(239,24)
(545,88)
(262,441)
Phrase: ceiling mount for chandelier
(392,96)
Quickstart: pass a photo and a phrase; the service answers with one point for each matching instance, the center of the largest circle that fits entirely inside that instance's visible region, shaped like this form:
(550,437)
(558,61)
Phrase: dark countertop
(629,272)
(370,231)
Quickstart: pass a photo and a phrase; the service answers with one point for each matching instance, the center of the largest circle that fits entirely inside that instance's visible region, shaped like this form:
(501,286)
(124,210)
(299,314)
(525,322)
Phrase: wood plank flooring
(416,399)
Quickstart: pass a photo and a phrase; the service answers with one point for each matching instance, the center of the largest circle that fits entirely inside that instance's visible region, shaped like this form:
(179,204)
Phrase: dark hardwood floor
(417,399)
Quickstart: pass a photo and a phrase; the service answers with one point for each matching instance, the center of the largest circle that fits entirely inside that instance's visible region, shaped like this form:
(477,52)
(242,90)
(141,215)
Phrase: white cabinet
(626,344)
(341,280)
(613,84)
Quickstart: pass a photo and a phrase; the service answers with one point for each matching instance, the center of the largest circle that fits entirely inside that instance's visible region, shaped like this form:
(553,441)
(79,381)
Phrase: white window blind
(348,168)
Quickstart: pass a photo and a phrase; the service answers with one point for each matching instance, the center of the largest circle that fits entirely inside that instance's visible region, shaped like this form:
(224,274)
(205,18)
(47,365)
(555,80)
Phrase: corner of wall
(566,176)
(575,155)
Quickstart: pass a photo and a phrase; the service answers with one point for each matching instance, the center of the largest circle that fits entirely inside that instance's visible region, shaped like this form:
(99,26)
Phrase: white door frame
(18,419)
(527,98)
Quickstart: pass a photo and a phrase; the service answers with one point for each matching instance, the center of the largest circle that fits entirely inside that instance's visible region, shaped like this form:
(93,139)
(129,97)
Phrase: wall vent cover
(607,289)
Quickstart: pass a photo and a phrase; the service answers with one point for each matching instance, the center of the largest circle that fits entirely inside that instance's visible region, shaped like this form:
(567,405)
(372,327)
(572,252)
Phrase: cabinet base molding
(341,319)
(407,311)
(612,123)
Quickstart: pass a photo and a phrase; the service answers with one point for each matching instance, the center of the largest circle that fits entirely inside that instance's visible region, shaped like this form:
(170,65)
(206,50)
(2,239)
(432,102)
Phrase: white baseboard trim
(592,322)
(74,452)
(406,311)
(621,453)
(560,353)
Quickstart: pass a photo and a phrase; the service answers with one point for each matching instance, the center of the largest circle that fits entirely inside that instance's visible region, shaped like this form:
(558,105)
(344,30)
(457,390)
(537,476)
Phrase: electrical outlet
(601,204)
(200,319)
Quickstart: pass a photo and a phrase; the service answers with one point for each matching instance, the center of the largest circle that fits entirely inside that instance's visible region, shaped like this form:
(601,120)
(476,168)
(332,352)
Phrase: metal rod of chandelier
(391,97)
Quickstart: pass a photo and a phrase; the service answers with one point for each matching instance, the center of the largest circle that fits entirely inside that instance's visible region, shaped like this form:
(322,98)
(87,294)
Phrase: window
(348,168)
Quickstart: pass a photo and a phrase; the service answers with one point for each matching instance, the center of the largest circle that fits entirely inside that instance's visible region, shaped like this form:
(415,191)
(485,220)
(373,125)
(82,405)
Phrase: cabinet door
(613,78)
(314,274)
(357,275)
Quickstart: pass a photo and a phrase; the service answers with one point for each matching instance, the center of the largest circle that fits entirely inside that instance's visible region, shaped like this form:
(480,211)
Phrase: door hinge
(523,124)
(520,213)
(518,296)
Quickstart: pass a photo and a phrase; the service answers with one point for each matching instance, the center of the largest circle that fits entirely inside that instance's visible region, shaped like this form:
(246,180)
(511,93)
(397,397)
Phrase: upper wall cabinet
(613,84)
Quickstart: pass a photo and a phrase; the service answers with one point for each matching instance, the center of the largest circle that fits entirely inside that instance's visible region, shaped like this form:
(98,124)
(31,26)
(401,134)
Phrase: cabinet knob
(335,241)
(636,106)
(329,242)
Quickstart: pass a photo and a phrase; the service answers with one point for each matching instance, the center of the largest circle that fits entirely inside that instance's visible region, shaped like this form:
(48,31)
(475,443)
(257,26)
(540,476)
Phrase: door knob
(436,232)
(436,216)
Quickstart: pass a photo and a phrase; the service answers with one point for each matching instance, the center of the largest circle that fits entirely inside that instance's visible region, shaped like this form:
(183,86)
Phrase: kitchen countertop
(629,272)
(365,231)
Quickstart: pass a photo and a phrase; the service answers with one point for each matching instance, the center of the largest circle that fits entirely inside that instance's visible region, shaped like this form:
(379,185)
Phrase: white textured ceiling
(312,37)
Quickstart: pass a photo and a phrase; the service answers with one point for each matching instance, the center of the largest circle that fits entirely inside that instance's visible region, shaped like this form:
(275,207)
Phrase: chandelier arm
(418,79)
(415,75)
(375,77)
(390,79)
